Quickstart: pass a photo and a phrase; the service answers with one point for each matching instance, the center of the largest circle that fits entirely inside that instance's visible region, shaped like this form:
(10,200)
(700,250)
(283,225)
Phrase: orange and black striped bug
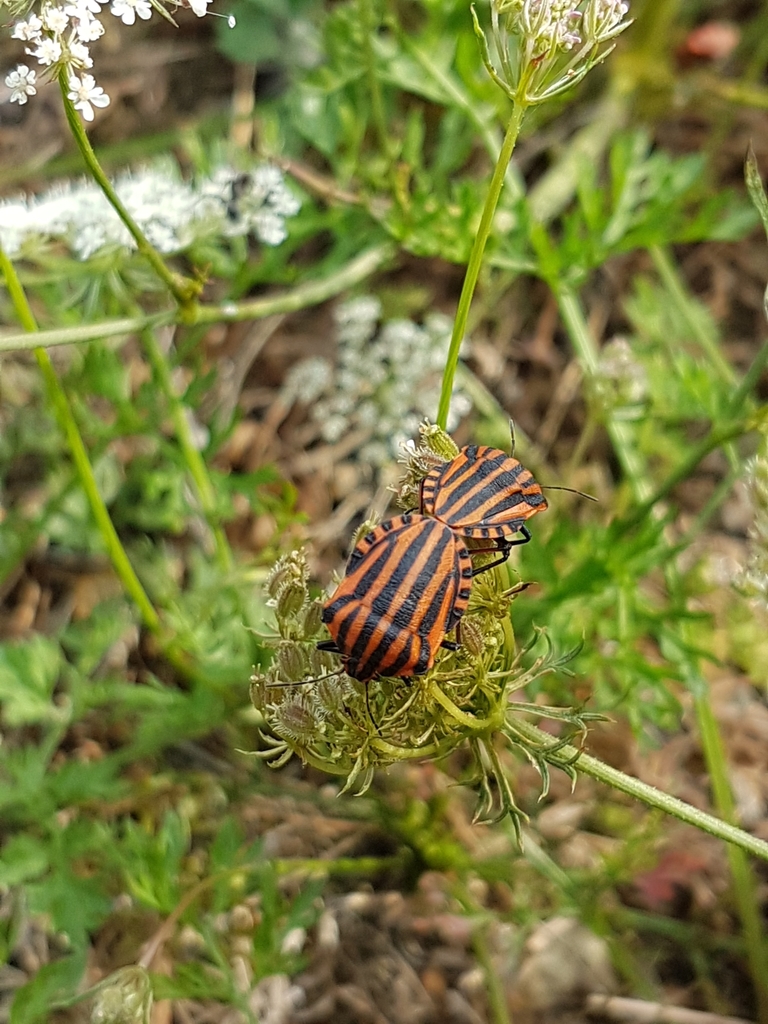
(483,494)
(406,585)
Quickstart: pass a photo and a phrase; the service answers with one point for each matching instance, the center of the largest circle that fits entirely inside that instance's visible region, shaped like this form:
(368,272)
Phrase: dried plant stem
(183,289)
(476,260)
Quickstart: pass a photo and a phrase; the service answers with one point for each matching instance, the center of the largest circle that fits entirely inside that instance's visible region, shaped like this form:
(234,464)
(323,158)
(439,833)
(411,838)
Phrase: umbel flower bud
(290,569)
(123,998)
(437,441)
(473,636)
(290,663)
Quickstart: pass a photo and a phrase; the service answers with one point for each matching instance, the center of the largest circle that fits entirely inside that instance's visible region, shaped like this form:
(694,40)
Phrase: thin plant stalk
(196,466)
(310,294)
(183,289)
(641,791)
(368,28)
(711,740)
(743,879)
(676,289)
(476,260)
(63,412)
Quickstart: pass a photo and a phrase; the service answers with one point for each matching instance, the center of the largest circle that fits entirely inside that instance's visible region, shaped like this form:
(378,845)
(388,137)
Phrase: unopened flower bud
(288,569)
(290,599)
(364,528)
(472,636)
(438,441)
(290,662)
(126,998)
(295,720)
(313,620)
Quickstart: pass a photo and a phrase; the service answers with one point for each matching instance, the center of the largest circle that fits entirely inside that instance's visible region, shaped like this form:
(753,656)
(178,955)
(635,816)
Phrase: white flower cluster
(553,25)
(385,381)
(620,383)
(59,39)
(171,212)
(545,46)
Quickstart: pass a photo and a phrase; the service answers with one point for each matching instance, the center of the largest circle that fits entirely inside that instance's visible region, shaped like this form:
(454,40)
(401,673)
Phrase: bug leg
(449,645)
(525,538)
(503,546)
(328,645)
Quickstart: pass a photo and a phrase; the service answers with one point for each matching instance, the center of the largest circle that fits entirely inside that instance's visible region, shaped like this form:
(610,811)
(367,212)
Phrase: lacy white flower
(173,213)
(28,30)
(48,51)
(85,95)
(55,19)
(545,46)
(61,33)
(21,82)
(386,378)
(127,10)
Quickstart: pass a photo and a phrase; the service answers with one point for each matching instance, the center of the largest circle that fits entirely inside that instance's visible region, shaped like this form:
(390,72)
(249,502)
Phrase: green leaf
(29,673)
(23,857)
(55,982)
(755,187)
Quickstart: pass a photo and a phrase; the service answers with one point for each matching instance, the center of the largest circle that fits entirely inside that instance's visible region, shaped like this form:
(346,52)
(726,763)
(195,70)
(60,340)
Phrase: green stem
(63,411)
(368,29)
(184,290)
(497,999)
(475,724)
(716,437)
(620,433)
(476,260)
(311,294)
(749,380)
(682,301)
(744,882)
(194,460)
(641,791)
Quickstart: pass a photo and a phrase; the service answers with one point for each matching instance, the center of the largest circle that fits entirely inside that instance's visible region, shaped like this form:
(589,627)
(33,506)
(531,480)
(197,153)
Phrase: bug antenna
(512,436)
(305,682)
(572,490)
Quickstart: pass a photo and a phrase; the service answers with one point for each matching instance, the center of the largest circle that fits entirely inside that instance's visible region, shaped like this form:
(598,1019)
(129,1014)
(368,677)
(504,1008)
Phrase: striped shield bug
(483,494)
(407,584)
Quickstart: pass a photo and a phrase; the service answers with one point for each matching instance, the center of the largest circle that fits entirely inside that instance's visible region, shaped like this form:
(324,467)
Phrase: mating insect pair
(408,582)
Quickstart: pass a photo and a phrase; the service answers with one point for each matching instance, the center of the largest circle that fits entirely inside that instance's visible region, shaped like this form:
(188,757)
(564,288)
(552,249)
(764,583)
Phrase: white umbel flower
(126,10)
(47,52)
(172,213)
(29,30)
(85,95)
(21,82)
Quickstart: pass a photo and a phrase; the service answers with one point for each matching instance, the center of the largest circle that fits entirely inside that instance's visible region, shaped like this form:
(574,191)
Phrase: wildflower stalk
(196,466)
(63,412)
(743,879)
(301,297)
(641,791)
(586,349)
(711,740)
(476,259)
(667,271)
(368,27)
(183,289)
